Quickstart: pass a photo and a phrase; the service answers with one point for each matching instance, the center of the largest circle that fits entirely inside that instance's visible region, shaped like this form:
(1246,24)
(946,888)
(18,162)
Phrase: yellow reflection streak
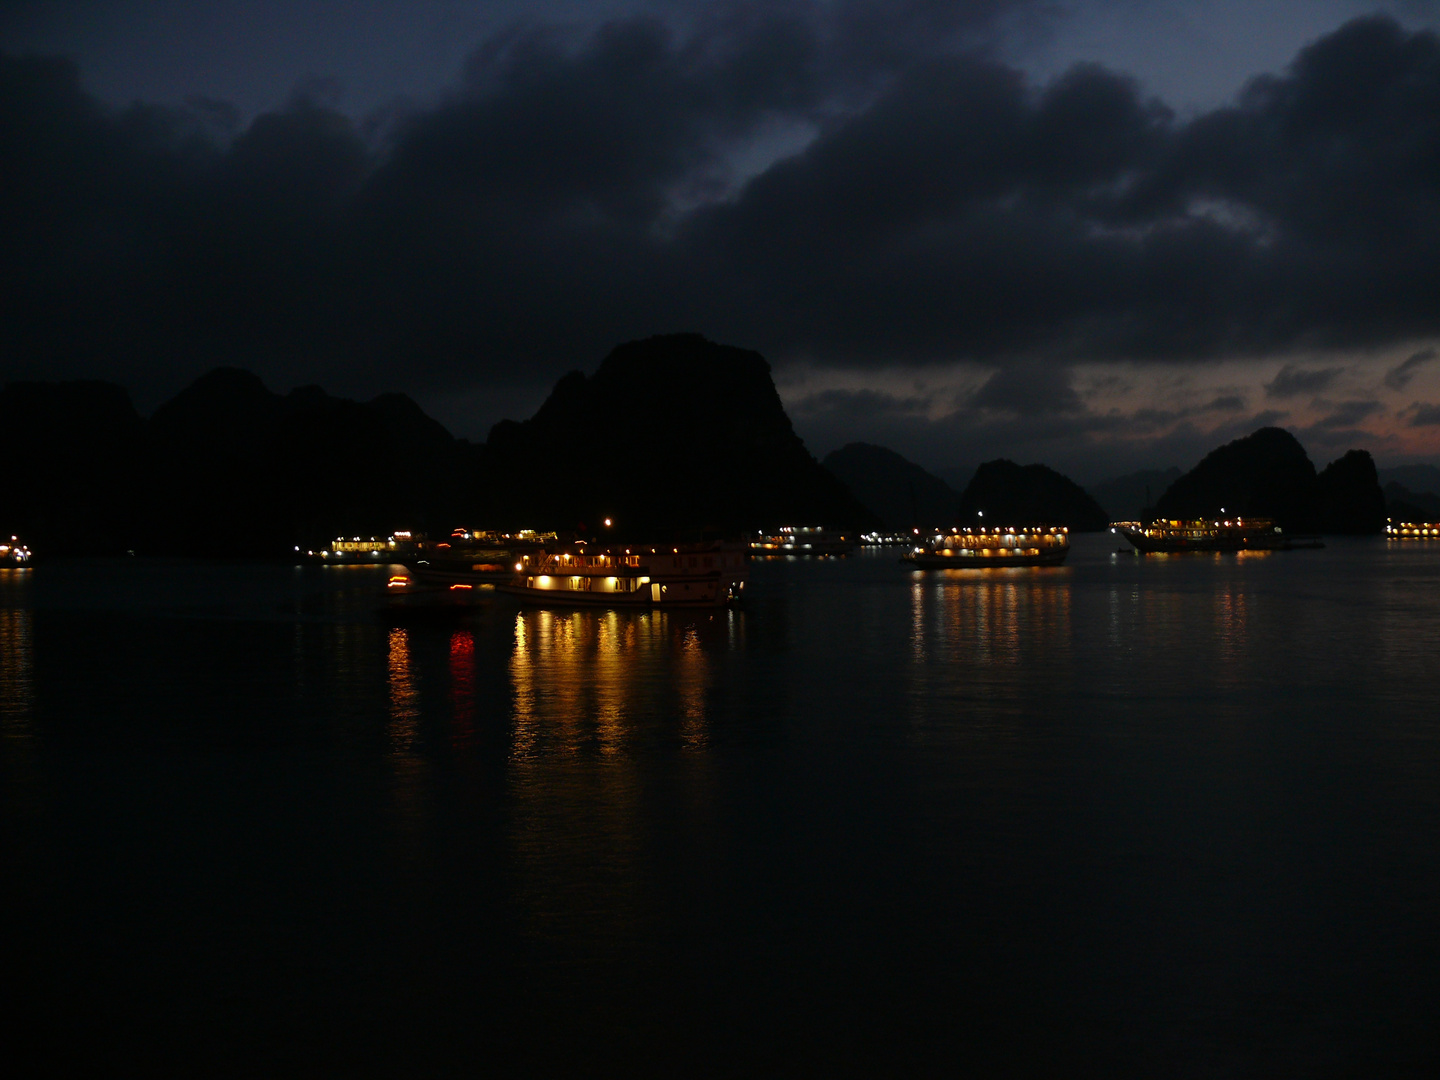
(693,682)
(522,677)
(1006,620)
(589,687)
(404,695)
(917,621)
(17,672)
(581,679)
(1232,619)
(412,804)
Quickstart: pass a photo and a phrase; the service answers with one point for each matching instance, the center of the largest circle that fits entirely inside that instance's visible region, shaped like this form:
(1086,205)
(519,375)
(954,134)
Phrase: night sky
(1104,235)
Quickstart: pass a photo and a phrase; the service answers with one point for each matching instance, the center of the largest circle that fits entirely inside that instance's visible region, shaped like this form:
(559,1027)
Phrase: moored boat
(1412,530)
(1224,534)
(810,540)
(377,550)
(977,548)
(475,557)
(677,576)
(13,552)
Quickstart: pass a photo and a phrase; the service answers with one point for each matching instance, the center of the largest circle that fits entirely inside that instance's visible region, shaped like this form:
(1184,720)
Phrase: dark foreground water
(1166,816)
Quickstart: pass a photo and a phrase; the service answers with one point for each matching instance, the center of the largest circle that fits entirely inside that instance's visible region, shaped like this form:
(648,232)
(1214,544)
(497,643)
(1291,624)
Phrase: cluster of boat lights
(1010,535)
(15,550)
(376,547)
(356,545)
(1407,530)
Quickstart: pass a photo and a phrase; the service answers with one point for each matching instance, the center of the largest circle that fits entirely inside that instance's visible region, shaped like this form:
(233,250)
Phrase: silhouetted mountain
(671,435)
(1402,504)
(1132,497)
(1020,495)
(898,492)
(78,456)
(1416,478)
(958,477)
(228,412)
(1265,474)
(1268,474)
(1350,497)
(245,470)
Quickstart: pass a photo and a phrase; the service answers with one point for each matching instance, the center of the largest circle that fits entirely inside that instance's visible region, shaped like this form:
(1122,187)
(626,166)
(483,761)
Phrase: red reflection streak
(462,682)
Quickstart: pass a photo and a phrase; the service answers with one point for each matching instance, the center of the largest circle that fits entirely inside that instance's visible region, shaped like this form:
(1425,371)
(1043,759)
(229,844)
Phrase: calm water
(1168,816)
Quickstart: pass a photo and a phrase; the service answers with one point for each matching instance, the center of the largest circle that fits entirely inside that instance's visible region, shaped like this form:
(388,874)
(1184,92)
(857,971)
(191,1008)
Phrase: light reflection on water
(1125,801)
(582,678)
(17,671)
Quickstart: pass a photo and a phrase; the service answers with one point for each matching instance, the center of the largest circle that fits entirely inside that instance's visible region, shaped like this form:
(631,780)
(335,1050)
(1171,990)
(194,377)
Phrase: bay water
(1166,815)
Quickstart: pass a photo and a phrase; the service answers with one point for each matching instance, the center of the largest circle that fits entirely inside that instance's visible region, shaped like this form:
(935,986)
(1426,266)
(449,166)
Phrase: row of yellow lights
(1010,531)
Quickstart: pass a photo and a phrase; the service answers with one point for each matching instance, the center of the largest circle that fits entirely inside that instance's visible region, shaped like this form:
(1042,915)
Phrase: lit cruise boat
(693,575)
(1409,530)
(969,548)
(14,553)
(803,540)
(1222,534)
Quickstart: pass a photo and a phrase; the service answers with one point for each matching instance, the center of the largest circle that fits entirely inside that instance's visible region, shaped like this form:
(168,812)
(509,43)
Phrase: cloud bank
(825,184)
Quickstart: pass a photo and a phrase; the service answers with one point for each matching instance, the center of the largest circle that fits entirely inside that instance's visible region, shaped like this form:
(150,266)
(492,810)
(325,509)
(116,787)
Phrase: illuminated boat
(1228,534)
(378,550)
(972,548)
(803,540)
(14,553)
(694,575)
(1409,530)
(469,557)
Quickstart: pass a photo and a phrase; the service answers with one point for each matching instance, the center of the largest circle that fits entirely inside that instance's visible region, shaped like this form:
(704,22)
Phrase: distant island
(1265,474)
(1268,474)
(1000,492)
(672,436)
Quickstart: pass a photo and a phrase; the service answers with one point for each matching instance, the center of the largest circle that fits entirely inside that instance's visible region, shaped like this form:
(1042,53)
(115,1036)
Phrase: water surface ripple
(1171,816)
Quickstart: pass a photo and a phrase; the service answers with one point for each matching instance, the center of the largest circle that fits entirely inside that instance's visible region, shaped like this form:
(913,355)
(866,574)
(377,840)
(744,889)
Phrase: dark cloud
(1226,403)
(1028,390)
(1349,413)
(1398,377)
(581,187)
(1291,381)
(1152,419)
(1423,414)
(1086,445)
(849,407)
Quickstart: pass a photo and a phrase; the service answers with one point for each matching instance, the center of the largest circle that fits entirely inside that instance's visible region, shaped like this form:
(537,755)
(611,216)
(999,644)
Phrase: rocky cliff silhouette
(83,457)
(1402,504)
(1132,497)
(1349,495)
(1019,495)
(257,472)
(898,492)
(672,436)
(227,467)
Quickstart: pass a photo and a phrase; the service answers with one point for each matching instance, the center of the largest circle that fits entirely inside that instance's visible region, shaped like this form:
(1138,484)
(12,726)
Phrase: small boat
(476,557)
(377,550)
(1410,530)
(811,540)
(974,548)
(693,575)
(1227,534)
(13,552)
